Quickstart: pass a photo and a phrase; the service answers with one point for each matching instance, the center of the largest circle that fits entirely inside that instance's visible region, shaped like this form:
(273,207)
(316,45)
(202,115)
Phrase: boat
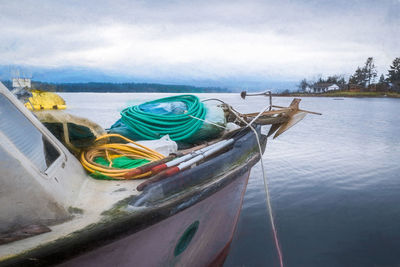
(35,99)
(54,213)
(44,100)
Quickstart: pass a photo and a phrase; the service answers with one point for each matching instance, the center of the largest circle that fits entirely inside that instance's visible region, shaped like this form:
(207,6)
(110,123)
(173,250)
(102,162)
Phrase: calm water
(334,182)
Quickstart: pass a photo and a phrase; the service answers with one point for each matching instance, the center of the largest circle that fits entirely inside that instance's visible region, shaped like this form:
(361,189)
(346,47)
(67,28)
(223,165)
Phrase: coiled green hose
(178,126)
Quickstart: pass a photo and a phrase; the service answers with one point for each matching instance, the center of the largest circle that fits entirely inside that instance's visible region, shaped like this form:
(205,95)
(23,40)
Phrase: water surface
(334,182)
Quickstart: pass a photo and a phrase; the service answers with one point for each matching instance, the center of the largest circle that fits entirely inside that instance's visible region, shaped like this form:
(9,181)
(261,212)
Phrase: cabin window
(25,136)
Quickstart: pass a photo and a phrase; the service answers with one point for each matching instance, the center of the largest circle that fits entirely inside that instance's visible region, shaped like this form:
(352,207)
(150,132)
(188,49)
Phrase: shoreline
(345,94)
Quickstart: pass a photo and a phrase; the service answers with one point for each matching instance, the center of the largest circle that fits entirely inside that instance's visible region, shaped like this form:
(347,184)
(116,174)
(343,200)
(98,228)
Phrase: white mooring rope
(268,198)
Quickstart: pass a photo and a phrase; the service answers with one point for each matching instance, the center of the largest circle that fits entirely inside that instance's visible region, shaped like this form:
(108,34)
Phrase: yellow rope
(114,150)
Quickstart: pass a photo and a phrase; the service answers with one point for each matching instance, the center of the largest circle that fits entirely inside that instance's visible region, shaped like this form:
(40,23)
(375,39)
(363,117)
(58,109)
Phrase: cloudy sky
(247,42)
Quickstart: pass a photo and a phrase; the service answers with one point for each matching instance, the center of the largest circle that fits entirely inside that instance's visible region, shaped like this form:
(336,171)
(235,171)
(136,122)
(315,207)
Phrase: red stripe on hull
(220,259)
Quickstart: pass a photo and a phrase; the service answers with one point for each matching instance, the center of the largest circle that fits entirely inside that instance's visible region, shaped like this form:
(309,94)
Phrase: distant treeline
(364,79)
(120,87)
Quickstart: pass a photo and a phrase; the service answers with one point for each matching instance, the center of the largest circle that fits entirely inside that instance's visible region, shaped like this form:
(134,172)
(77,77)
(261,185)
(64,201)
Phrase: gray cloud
(202,39)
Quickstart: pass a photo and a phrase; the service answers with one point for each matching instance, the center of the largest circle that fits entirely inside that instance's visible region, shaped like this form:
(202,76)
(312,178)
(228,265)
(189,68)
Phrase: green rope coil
(178,126)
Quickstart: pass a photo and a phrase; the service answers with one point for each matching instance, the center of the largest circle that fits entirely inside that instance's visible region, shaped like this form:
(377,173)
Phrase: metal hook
(243,94)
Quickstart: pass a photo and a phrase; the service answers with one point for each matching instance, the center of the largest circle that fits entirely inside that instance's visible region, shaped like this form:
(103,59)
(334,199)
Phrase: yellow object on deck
(112,150)
(45,100)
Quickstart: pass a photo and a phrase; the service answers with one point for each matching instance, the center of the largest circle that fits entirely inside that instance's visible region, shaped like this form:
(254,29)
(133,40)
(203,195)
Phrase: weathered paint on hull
(154,246)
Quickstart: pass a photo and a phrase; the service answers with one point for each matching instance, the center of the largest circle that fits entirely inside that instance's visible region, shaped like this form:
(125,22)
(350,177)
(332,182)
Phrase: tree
(358,78)
(394,74)
(303,85)
(337,79)
(382,79)
(341,81)
(370,70)
(364,76)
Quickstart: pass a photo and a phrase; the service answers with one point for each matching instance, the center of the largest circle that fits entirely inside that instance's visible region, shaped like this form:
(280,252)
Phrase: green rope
(120,162)
(178,126)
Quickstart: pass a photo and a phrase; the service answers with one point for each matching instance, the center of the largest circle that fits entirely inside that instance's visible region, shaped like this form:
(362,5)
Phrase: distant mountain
(60,74)
(125,87)
(69,75)
(120,87)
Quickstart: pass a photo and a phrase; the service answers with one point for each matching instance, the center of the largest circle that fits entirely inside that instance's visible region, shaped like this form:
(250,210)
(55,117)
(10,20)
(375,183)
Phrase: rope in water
(268,198)
(151,126)
(113,150)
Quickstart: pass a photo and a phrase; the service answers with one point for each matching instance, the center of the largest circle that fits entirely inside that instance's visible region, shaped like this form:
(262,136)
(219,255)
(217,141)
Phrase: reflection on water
(334,182)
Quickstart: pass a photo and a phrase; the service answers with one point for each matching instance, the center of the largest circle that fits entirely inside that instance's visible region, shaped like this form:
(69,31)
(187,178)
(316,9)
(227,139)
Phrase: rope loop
(151,126)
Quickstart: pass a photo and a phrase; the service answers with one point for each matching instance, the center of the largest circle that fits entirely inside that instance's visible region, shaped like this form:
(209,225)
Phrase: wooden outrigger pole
(281,119)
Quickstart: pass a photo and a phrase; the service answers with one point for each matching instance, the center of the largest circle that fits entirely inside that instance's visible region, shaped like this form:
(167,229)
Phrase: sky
(223,43)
